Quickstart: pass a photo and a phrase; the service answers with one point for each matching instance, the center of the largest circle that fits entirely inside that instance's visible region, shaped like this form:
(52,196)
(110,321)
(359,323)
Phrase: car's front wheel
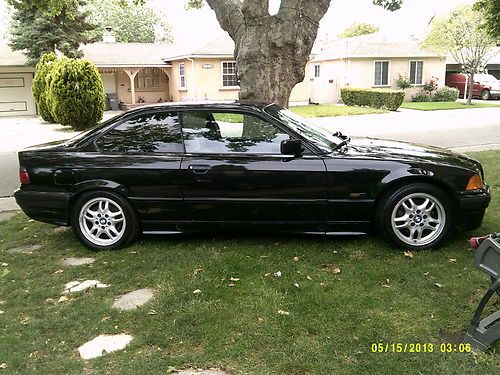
(485,95)
(103,220)
(415,216)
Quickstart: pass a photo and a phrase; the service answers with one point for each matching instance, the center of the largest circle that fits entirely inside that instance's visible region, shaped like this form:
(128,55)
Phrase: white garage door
(15,94)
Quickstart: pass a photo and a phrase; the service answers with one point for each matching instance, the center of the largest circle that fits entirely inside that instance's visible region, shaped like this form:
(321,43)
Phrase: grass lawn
(380,295)
(326,110)
(436,106)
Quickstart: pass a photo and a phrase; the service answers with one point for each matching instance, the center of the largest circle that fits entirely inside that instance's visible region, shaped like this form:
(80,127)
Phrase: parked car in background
(485,86)
(186,167)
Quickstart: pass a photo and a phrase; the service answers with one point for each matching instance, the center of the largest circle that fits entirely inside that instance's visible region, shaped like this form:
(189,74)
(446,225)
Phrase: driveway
(461,130)
(17,133)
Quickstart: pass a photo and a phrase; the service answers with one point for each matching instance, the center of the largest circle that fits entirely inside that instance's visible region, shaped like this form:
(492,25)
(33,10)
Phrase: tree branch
(229,14)
(255,8)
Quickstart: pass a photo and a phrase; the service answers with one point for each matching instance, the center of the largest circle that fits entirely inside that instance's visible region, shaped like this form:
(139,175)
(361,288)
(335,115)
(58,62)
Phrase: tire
(485,95)
(415,217)
(103,220)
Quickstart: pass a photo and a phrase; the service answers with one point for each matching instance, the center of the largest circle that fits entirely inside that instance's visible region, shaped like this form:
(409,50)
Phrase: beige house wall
(360,72)
(204,81)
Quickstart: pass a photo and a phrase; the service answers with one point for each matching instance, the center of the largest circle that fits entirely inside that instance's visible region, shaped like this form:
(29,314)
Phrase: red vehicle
(485,86)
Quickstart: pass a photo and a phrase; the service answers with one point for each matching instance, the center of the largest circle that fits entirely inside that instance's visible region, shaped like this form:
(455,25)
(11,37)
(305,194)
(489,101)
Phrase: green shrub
(76,93)
(375,98)
(402,82)
(421,97)
(39,86)
(446,94)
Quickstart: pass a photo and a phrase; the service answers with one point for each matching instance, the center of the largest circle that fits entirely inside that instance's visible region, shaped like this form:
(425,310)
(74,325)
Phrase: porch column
(131,75)
(167,72)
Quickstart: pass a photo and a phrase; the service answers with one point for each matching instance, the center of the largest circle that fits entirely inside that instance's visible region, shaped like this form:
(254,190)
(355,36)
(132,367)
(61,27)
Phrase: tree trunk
(271,51)
(470,89)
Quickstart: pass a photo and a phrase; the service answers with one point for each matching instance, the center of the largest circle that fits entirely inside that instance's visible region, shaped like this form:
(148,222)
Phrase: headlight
(475,183)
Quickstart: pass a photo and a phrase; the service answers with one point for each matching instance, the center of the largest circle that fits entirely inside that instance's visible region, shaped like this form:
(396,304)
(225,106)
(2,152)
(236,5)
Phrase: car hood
(393,150)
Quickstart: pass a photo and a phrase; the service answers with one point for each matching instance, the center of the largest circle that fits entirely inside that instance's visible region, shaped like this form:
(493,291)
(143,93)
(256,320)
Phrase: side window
(225,132)
(151,132)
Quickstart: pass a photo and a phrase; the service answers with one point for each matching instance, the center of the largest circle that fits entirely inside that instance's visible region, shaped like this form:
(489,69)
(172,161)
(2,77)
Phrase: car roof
(201,104)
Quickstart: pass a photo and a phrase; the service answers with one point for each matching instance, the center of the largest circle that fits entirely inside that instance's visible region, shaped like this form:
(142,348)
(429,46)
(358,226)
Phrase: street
(460,130)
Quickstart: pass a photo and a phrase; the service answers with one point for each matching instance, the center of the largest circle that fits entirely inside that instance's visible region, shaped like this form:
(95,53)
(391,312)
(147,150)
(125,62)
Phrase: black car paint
(313,193)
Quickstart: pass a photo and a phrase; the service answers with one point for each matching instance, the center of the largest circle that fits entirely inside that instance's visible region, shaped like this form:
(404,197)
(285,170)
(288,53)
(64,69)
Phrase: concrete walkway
(17,133)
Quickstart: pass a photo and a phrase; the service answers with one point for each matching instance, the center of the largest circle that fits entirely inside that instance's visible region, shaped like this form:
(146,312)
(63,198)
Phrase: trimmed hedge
(376,98)
(75,93)
(39,86)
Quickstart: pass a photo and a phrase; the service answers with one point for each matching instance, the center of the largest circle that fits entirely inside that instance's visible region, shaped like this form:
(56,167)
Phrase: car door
(233,172)
(141,157)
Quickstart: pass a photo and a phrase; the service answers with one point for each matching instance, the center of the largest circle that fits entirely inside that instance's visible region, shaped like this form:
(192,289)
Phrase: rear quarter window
(155,132)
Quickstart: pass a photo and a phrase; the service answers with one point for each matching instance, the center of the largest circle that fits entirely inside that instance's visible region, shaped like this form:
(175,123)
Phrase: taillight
(24,177)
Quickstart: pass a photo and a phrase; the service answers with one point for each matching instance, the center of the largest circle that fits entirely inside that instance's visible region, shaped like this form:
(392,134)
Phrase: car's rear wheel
(485,95)
(415,216)
(104,220)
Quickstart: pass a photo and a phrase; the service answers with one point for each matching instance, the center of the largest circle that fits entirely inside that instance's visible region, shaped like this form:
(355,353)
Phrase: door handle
(199,169)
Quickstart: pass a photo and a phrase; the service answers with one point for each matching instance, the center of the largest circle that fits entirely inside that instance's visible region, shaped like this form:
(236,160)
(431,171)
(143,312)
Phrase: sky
(195,26)
(200,26)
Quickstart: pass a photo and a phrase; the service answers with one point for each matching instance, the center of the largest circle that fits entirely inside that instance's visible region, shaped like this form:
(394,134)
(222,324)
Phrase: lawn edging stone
(103,344)
(77,261)
(24,249)
(133,300)
(80,286)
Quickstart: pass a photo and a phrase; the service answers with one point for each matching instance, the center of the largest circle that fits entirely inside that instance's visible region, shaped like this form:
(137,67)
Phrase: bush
(39,86)
(421,97)
(376,98)
(446,94)
(76,94)
(402,82)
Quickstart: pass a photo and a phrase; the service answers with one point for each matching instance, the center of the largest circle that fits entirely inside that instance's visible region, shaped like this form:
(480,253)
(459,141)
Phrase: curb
(8,205)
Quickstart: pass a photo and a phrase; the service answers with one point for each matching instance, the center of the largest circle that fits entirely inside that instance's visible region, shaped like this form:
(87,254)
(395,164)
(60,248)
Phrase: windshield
(485,78)
(320,137)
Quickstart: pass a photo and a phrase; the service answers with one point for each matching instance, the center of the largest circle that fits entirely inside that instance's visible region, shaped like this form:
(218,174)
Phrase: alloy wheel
(418,219)
(102,221)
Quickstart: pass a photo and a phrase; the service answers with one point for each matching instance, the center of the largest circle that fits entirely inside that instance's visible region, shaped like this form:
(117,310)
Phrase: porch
(137,86)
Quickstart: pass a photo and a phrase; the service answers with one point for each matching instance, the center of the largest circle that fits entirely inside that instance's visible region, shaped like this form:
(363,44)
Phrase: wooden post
(131,75)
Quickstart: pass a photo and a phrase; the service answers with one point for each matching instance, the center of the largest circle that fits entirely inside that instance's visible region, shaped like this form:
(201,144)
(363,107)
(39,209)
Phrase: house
(15,84)
(137,73)
(492,67)
(370,61)
(209,72)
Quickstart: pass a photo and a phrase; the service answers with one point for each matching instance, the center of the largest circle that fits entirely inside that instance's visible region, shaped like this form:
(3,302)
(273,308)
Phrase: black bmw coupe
(186,167)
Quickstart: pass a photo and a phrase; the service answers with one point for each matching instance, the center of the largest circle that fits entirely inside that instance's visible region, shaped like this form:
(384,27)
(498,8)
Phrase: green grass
(333,320)
(327,110)
(436,106)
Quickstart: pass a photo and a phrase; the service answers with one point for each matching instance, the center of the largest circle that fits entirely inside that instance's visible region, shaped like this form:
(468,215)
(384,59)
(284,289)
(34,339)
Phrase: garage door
(15,94)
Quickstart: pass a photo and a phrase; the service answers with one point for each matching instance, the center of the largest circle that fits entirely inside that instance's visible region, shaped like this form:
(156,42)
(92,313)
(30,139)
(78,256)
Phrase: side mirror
(291,147)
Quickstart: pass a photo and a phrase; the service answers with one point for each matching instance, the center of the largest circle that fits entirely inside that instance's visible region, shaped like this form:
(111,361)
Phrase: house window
(381,73)
(317,70)
(148,79)
(416,72)
(229,78)
(182,75)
